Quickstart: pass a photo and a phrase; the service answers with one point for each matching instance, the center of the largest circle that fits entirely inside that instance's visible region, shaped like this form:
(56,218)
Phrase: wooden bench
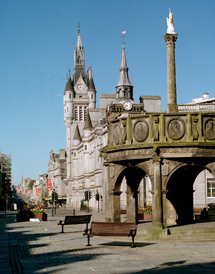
(111,229)
(74,220)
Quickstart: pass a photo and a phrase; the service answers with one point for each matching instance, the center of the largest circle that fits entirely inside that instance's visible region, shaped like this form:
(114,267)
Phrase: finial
(68,74)
(78,27)
(123,36)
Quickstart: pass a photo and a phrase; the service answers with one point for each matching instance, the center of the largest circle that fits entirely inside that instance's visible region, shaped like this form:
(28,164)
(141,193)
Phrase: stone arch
(179,195)
(133,175)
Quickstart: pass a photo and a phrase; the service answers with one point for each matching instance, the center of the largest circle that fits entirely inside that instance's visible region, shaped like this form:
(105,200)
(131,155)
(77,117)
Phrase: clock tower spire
(124,88)
(79,66)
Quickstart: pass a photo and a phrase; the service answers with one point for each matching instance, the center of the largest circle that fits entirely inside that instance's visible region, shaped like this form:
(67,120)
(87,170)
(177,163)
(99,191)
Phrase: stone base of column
(172,108)
(157,225)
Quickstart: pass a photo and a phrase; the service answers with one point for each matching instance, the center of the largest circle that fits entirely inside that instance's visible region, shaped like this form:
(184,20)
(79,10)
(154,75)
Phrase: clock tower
(124,103)
(79,99)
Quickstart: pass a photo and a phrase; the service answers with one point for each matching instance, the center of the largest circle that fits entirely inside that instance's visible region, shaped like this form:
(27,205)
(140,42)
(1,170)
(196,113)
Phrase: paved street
(28,247)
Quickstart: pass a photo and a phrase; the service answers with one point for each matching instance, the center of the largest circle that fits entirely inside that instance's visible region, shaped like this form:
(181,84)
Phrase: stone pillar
(157,203)
(117,216)
(131,212)
(171,80)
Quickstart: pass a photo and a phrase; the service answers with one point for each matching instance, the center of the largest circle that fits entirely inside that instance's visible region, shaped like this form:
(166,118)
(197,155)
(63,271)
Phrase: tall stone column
(171,79)
(157,204)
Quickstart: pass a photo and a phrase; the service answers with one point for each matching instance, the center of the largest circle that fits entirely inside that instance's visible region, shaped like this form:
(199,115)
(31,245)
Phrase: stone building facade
(57,172)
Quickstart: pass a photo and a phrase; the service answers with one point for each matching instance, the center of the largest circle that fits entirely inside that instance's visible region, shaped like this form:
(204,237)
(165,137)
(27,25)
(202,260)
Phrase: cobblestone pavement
(28,247)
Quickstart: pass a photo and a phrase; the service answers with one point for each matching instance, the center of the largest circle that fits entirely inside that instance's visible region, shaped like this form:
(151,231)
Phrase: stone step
(202,236)
(190,231)
(176,234)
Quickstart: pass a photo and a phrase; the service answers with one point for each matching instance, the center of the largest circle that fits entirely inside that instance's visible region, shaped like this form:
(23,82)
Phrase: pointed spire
(124,88)
(69,85)
(79,45)
(77,135)
(88,122)
(91,85)
(123,77)
(79,67)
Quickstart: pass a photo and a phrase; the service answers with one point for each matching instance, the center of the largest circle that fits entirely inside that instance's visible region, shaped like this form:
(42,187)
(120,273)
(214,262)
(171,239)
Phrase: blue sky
(37,49)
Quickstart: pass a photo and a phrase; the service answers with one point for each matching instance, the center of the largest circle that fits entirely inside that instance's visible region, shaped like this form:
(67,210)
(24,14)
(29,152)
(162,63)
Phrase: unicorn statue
(170,28)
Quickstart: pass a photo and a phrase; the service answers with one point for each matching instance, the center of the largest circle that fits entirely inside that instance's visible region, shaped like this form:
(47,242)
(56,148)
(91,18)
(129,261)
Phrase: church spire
(79,45)
(79,67)
(124,88)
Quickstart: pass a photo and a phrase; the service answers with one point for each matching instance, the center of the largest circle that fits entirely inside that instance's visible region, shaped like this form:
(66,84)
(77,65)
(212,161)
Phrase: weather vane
(123,35)
(78,27)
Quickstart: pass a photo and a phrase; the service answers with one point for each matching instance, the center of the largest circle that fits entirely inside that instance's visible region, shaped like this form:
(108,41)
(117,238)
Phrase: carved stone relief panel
(140,130)
(116,134)
(165,167)
(188,150)
(151,168)
(209,129)
(129,154)
(195,128)
(176,128)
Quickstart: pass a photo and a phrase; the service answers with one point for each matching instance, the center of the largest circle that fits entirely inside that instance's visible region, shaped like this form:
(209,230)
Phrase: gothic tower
(79,100)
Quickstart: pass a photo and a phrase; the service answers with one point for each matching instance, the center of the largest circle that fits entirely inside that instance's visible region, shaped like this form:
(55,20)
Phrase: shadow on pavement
(119,243)
(178,267)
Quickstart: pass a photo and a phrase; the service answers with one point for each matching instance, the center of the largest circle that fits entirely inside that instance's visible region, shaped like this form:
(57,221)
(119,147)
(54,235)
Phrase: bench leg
(88,240)
(62,229)
(132,245)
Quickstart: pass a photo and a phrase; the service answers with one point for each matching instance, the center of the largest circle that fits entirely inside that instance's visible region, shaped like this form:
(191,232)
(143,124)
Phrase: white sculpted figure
(170,28)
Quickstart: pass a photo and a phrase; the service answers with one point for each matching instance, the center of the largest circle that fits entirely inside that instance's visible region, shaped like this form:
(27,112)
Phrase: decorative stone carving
(209,131)
(165,167)
(151,168)
(141,130)
(156,131)
(124,136)
(116,134)
(129,153)
(195,129)
(188,150)
(176,129)
(112,170)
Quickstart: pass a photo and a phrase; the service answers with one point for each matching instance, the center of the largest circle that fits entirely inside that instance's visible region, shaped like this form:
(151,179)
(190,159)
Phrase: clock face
(127,105)
(80,87)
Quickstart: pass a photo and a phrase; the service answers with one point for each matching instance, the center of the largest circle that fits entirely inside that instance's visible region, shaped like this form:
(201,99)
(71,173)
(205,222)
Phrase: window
(80,114)
(85,113)
(211,187)
(91,96)
(70,96)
